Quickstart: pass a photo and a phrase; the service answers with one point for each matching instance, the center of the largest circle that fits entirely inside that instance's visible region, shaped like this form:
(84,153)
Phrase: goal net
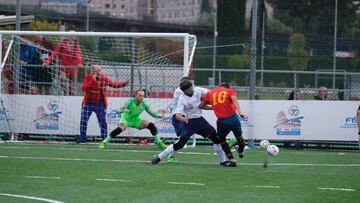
(42,74)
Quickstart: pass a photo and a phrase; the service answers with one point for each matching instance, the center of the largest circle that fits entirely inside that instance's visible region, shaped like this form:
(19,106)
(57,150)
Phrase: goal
(40,87)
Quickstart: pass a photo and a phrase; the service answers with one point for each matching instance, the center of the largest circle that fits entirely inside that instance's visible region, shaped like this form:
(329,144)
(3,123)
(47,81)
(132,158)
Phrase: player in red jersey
(227,109)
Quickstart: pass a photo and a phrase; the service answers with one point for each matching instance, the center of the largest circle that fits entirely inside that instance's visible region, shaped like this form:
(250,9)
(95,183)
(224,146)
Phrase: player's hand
(244,116)
(126,82)
(124,110)
(186,119)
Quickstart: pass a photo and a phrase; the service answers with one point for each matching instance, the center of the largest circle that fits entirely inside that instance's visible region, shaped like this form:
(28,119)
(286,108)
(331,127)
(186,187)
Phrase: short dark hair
(139,90)
(185,84)
(225,84)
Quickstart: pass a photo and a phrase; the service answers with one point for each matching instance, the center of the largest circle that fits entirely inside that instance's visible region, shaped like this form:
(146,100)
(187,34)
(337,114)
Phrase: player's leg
(178,126)
(206,130)
(223,129)
(236,129)
(150,126)
(122,126)
(100,111)
(86,110)
(184,137)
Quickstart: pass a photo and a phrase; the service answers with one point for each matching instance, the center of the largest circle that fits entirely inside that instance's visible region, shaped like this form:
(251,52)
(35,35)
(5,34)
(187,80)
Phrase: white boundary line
(43,177)
(148,161)
(186,183)
(113,180)
(337,189)
(262,186)
(31,197)
(106,150)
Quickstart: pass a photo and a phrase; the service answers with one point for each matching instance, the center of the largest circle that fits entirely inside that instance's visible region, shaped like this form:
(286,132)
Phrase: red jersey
(220,100)
(69,56)
(95,89)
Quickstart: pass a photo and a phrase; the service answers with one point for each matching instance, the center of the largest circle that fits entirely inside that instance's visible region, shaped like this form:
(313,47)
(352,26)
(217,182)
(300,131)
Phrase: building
(165,11)
(61,7)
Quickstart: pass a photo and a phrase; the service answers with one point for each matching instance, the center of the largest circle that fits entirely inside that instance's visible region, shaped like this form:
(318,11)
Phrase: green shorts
(133,123)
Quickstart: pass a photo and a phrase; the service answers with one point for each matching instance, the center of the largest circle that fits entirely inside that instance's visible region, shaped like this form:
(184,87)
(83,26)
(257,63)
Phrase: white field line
(31,197)
(155,151)
(43,177)
(195,163)
(337,189)
(112,180)
(262,186)
(106,150)
(185,183)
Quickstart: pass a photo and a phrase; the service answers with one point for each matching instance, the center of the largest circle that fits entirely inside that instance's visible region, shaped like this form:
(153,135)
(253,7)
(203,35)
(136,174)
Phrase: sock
(157,139)
(167,151)
(172,154)
(107,139)
(227,151)
(219,152)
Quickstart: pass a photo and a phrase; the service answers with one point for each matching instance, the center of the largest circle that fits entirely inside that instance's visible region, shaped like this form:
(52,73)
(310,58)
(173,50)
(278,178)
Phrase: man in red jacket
(69,53)
(95,100)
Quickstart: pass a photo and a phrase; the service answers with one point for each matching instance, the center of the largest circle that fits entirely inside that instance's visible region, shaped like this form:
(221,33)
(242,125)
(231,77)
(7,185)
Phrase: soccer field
(83,173)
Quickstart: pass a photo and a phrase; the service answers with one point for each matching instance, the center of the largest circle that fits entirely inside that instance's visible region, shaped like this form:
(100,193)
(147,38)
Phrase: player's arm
(205,103)
(205,106)
(151,112)
(182,118)
(237,107)
(125,108)
(179,112)
(113,84)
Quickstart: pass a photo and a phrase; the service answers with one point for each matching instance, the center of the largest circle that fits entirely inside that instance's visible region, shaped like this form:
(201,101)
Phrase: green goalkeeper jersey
(133,110)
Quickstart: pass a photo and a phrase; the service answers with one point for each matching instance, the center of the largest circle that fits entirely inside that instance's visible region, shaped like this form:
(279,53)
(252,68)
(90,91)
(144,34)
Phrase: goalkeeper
(130,117)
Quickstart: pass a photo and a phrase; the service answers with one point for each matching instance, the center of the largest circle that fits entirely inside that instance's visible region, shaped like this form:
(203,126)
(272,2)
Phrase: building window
(107,5)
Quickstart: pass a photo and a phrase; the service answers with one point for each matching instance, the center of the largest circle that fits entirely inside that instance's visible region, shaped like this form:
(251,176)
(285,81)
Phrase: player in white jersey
(188,111)
(179,125)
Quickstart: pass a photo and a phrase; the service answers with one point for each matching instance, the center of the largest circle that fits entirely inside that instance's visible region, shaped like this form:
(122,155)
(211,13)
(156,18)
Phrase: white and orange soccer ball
(272,150)
(264,144)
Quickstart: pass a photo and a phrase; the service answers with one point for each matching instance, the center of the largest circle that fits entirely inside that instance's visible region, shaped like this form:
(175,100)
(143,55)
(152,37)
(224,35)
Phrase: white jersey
(189,106)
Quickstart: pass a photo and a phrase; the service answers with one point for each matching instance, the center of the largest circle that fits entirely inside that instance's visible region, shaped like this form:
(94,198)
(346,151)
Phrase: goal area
(42,74)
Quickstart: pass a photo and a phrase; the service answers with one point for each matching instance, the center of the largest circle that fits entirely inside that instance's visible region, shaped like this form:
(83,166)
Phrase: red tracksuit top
(90,85)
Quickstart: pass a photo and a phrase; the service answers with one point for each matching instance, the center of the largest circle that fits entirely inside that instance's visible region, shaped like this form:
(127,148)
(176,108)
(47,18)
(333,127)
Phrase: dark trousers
(86,111)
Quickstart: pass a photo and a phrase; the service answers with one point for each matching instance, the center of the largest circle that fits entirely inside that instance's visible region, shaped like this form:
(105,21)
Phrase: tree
(206,19)
(231,18)
(43,25)
(298,55)
(316,16)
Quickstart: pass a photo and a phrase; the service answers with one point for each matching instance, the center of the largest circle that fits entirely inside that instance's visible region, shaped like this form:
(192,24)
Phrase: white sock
(219,152)
(172,154)
(167,151)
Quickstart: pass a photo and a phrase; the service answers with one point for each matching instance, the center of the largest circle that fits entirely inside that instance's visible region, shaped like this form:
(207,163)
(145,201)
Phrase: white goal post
(51,107)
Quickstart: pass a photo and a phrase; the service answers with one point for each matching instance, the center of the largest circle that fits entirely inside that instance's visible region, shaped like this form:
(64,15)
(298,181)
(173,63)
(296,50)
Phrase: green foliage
(277,26)
(239,61)
(206,19)
(7,27)
(43,25)
(316,16)
(298,56)
(231,18)
(89,43)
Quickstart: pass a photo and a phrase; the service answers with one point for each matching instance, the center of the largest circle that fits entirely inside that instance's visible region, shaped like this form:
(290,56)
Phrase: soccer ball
(272,150)
(264,144)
